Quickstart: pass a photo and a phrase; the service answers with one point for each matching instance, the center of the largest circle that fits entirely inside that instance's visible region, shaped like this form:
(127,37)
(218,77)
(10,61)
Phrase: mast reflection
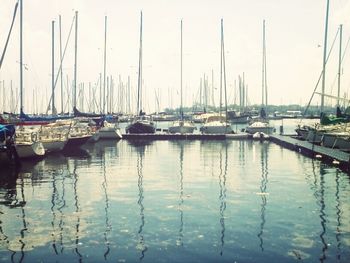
(140,147)
(322,215)
(62,203)
(338,213)
(181,196)
(222,195)
(263,192)
(77,211)
(24,229)
(108,226)
(53,204)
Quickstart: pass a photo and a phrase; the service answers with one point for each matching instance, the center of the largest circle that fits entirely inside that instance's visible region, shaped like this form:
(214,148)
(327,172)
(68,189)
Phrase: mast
(221,67)
(53,109)
(212,87)
(340,55)
(324,58)
(21,57)
(75,61)
(263,70)
(101,94)
(224,70)
(181,110)
(139,82)
(61,58)
(104,68)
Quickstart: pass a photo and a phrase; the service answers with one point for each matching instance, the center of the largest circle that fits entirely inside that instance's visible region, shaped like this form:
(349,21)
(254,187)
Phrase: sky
(294,49)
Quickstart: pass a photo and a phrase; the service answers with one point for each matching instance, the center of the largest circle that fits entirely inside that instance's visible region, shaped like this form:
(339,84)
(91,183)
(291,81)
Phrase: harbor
(174,131)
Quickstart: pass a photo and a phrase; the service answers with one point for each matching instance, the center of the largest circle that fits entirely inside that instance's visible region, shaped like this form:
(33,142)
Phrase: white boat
(27,144)
(54,137)
(260,136)
(26,150)
(181,126)
(260,126)
(216,124)
(109,131)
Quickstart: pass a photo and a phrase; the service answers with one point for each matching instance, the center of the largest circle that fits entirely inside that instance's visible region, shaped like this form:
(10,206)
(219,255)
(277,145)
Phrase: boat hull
(30,150)
(260,126)
(109,133)
(182,127)
(216,128)
(74,142)
(139,128)
(53,146)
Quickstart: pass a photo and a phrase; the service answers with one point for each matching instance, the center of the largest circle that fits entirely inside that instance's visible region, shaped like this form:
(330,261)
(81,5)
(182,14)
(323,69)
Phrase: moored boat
(216,125)
(109,131)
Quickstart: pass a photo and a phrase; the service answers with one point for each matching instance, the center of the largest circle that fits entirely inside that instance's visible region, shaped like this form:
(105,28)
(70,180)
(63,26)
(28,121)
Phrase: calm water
(175,201)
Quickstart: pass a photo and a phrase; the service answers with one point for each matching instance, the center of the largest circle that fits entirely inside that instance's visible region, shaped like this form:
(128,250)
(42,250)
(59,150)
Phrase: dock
(325,154)
(169,136)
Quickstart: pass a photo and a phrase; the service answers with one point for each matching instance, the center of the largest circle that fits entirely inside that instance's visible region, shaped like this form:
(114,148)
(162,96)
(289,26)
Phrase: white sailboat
(261,124)
(141,123)
(181,126)
(218,124)
(109,130)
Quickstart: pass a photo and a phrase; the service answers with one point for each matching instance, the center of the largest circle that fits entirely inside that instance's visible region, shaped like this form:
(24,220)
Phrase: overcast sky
(294,41)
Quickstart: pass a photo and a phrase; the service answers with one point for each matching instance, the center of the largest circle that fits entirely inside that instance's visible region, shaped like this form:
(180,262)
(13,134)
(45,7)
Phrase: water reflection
(77,211)
(180,144)
(319,184)
(263,191)
(108,225)
(60,206)
(140,146)
(222,195)
(322,205)
(338,215)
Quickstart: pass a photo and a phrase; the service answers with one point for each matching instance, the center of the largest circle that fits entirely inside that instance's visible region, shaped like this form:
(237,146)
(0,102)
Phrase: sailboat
(141,123)
(182,126)
(261,125)
(108,130)
(218,124)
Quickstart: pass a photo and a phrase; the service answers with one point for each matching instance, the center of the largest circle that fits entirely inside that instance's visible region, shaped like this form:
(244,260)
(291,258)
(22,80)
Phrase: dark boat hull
(139,127)
(76,142)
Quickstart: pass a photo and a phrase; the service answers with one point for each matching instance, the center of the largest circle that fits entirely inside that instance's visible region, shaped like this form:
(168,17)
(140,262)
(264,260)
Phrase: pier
(327,155)
(168,136)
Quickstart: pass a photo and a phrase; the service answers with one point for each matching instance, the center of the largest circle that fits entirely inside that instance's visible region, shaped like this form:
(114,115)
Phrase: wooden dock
(328,155)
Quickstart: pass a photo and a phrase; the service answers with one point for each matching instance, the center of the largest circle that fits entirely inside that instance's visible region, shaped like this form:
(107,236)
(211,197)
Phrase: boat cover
(6,130)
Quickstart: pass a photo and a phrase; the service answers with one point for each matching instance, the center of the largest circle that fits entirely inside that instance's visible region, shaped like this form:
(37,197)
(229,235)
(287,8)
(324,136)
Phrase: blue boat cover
(6,130)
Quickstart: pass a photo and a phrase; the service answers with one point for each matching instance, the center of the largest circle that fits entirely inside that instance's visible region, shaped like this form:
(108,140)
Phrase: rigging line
(313,93)
(60,69)
(9,34)
(346,47)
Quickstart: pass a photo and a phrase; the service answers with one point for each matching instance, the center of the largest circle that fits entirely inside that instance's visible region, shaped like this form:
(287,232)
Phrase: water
(175,201)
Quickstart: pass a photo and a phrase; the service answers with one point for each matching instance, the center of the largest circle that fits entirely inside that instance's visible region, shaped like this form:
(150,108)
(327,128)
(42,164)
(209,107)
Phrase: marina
(123,139)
